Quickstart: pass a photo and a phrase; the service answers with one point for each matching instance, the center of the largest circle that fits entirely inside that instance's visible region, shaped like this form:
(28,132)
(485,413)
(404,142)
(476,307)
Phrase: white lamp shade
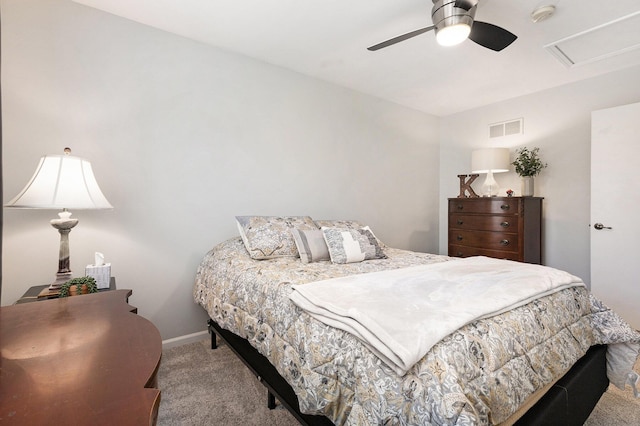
(487,160)
(61,182)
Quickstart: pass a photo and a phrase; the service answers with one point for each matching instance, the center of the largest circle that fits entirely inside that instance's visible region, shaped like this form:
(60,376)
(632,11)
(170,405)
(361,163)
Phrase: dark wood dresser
(501,227)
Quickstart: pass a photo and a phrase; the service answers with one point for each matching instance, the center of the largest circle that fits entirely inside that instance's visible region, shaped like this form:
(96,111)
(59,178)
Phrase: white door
(615,209)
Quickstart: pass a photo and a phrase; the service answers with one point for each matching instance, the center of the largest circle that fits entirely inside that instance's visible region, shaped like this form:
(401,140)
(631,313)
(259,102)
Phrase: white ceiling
(327,39)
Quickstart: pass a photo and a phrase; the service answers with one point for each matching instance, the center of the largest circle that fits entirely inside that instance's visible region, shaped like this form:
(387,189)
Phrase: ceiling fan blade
(491,36)
(400,38)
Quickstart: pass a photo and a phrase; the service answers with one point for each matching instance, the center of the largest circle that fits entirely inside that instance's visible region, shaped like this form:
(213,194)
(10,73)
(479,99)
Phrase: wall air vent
(506,128)
(604,41)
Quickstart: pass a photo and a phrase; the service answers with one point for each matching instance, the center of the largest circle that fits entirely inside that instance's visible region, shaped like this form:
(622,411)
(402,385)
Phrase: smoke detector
(543,12)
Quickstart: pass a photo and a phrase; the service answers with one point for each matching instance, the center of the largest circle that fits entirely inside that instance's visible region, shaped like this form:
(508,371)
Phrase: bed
(522,364)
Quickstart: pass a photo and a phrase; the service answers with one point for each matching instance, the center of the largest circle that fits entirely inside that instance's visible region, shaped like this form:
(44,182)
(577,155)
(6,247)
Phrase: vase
(74,291)
(526,188)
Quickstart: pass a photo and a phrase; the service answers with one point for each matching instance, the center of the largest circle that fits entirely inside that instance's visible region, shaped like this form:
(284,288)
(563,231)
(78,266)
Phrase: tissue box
(102,274)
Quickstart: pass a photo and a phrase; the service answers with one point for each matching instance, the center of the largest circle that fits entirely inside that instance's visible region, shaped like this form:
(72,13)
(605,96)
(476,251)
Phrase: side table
(81,360)
(31,295)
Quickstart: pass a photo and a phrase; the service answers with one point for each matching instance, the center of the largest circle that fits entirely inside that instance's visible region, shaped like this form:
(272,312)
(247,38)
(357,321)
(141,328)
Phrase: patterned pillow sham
(311,245)
(352,245)
(267,237)
(351,224)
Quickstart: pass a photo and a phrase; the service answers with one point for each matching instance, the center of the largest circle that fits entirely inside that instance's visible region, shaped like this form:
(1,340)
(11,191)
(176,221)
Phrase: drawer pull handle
(460,222)
(504,224)
(460,207)
(504,242)
(459,237)
(505,207)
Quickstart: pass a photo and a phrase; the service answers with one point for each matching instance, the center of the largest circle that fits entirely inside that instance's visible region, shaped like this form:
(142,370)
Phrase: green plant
(90,282)
(528,162)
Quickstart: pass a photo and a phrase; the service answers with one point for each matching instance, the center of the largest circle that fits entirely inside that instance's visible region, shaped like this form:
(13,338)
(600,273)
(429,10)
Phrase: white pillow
(310,244)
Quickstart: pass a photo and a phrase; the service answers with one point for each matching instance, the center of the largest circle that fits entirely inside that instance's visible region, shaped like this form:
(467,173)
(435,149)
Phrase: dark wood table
(81,360)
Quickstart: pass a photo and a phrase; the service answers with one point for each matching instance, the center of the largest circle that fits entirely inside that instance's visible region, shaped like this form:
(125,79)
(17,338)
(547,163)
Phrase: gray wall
(182,137)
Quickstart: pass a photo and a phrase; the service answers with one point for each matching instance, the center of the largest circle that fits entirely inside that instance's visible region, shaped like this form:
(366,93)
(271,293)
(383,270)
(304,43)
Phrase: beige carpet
(616,407)
(201,386)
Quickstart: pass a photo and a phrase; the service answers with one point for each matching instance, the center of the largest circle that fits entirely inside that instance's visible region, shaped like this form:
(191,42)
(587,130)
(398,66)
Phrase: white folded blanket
(400,314)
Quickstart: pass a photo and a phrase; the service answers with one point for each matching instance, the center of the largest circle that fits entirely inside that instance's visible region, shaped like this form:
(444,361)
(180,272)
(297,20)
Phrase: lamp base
(490,186)
(64,225)
(61,278)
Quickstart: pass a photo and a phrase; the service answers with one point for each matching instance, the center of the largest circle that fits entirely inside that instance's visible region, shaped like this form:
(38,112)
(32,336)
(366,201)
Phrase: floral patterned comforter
(479,374)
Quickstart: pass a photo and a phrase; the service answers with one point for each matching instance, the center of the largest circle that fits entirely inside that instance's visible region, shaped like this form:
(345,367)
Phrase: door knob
(600,226)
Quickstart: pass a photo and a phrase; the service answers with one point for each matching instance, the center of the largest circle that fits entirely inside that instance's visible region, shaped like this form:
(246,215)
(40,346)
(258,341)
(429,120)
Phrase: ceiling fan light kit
(453,34)
(453,22)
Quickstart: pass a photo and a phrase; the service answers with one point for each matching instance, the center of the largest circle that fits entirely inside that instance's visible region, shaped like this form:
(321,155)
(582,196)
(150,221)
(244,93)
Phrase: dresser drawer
(484,223)
(502,241)
(485,205)
(462,251)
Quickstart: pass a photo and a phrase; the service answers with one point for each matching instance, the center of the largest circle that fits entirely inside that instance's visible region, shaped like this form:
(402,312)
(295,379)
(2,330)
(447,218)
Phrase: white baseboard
(183,340)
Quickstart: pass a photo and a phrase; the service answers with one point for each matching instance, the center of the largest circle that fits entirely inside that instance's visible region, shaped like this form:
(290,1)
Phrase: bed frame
(569,402)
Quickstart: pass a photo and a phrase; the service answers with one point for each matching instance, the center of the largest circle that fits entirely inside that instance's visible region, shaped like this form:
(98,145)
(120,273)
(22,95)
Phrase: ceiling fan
(453,22)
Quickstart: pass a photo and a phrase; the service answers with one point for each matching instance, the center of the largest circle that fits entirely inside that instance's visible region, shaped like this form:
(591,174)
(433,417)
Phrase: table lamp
(62,182)
(490,161)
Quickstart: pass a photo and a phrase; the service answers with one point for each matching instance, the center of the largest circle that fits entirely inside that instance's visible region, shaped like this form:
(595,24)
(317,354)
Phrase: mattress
(480,374)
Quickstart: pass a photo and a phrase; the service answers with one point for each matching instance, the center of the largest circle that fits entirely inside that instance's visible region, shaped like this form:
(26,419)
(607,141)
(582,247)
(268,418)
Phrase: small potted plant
(528,165)
(76,286)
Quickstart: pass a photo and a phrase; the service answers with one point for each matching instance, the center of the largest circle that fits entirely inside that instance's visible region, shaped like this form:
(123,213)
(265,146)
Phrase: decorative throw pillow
(267,237)
(311,245)
(352,245)
(351,224)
